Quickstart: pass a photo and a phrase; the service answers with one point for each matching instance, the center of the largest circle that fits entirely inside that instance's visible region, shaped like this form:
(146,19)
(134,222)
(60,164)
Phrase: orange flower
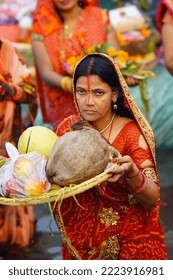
(145,32)
(111,51)
(135,57)
(72,61)
(122,53)
(121,39)
(122,56)
(79,57)
(90,49)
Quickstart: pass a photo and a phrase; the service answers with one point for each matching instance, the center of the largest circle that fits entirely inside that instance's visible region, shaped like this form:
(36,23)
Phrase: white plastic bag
(23,175)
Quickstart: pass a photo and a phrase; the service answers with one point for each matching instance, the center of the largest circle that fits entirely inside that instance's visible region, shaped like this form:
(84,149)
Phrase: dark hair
(81,4)
(103,68)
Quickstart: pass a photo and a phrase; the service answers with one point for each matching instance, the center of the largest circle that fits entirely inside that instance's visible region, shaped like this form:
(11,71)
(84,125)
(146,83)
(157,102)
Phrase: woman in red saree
(17,224)
(164,17)
(118,219)
(61,30)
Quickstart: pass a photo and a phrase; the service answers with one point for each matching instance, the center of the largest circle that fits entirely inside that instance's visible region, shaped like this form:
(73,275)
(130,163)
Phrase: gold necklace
(66,35)
(68,29)
(67,32)
(109,124)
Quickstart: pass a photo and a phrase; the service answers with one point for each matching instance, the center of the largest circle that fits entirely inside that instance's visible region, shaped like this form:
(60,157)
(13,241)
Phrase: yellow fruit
(37,139)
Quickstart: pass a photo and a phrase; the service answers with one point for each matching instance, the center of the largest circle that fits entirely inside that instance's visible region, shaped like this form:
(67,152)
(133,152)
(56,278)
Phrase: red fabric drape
(115,227)
(161,9)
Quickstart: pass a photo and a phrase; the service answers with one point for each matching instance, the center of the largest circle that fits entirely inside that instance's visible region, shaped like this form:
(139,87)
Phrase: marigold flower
(111,51)
(135,57)
(121,39)
(72,60)
(122,56)
(90,49)
(145,32)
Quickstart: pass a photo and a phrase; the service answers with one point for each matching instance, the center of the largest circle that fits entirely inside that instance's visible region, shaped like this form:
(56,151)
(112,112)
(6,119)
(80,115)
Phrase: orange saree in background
(14,118)
(107,222)
(17,223)
(91,28)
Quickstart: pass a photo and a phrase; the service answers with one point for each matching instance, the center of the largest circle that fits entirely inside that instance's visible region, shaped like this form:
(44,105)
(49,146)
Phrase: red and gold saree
(108,222)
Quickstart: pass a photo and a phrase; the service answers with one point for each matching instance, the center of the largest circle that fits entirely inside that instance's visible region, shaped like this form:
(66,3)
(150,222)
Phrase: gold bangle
(66,84)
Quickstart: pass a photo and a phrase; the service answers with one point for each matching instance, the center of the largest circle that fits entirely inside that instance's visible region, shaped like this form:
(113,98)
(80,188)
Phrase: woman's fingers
(114,178)
(125,166)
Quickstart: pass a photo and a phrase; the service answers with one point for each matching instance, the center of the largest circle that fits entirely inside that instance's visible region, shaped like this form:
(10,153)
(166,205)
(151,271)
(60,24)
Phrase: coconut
(77,156)
(37,139)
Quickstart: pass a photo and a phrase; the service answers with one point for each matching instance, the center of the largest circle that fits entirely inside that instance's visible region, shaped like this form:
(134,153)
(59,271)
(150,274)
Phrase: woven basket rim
(58,193)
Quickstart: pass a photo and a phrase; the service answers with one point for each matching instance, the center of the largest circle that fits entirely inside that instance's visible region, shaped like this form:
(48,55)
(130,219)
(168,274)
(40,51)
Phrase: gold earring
(114,100)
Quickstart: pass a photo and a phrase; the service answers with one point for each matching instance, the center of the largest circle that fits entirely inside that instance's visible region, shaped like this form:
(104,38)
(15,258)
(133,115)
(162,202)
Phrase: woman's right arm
(44,66)
(167,39)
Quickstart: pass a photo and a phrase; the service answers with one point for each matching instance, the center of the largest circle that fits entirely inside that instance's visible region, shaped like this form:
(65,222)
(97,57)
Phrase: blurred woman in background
(61,30)
(17,224)
(164,17)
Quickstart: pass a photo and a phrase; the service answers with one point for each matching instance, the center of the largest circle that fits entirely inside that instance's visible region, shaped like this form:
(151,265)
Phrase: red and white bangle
(142,187)
(18,93)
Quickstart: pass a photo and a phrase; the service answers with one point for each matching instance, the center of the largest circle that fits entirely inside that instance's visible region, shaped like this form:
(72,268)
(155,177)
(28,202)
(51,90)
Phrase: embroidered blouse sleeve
(133,148)
(138,153)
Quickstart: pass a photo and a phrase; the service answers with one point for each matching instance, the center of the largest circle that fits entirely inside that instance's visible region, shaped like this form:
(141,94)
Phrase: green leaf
(143,86)
(144,5)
